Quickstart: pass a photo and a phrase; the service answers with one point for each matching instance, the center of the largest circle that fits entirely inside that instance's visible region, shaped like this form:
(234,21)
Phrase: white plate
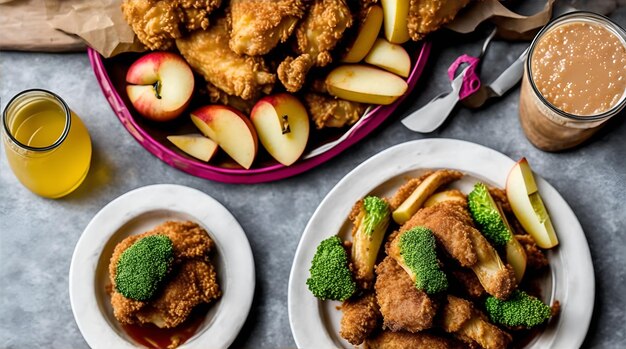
(141,210)
(315,324)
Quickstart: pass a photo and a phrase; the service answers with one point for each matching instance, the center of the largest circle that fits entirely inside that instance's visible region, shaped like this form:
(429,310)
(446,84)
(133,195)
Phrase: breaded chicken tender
(327,111)
(259,25)
(360,318)
(192,281)
(426,16)
(208,53)
(158,22)
(403,307)
(407,340)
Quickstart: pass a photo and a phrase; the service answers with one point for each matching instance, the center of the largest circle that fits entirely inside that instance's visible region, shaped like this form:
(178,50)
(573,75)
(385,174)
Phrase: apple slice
(282,124)
(523,195)
(391,57)
(425,189)
(396,14)
(368,32)
(361,83)
(196,145)
(161,85)
(448,195)
(230,129)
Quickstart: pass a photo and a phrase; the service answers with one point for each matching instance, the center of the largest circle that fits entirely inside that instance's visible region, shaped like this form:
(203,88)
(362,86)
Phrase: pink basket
(151,136)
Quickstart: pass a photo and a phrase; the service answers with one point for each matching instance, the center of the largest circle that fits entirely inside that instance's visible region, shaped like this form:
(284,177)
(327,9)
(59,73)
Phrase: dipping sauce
(575,80)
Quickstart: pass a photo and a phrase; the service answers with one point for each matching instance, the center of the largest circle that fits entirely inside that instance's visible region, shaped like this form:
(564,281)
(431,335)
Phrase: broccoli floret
(520,309)
(376,214)
(487,215)
(330,275)
(143,266)
(417,248)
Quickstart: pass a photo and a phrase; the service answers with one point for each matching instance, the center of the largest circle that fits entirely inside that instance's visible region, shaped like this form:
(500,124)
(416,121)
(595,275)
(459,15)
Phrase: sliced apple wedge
(282,124)
(196,145)
(391,57)
(366,36)
(361,83)
(448,195)
(396,14)
(425,189)
(523,195)
(230,129)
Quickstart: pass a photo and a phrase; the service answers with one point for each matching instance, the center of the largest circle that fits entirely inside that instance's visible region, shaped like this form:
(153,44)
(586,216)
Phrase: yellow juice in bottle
(48,154)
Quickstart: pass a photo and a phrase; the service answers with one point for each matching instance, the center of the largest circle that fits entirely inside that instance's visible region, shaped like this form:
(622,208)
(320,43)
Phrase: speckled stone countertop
(37,236)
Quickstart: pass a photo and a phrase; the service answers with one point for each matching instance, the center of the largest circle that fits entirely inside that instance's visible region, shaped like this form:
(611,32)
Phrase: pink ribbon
(471,81)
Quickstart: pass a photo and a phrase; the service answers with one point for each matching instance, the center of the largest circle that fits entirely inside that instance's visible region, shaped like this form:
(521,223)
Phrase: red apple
(230,129)
(161,85)
(282,124)
(196,145)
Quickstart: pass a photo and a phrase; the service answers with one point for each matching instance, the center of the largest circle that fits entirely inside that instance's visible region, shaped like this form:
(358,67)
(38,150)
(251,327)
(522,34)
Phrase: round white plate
(570,279)
(141,210)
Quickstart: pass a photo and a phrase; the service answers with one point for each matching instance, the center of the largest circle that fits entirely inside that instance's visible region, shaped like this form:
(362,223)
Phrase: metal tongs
(465,86)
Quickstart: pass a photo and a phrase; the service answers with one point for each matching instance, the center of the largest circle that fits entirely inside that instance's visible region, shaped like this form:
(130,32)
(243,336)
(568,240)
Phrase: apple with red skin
(196,145)
(230,129)
(160,85)
(282,123)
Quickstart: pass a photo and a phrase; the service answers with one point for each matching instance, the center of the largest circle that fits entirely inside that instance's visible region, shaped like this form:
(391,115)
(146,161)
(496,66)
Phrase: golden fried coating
(446,177)
(459,317)
(407,340)
(535,258)
(469,282)
(317,34)
(259,25)
(158,22)
(403,307)
(192,281)
(426,16)
(218,96)
(360,318)
(327,111)
(208,53)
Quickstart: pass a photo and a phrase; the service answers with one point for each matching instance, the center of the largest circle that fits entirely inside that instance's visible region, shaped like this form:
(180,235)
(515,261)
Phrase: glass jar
(546,112)
(46,144)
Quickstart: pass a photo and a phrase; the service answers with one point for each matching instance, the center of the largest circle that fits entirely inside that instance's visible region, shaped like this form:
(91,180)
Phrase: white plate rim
(226,231)
(576,293)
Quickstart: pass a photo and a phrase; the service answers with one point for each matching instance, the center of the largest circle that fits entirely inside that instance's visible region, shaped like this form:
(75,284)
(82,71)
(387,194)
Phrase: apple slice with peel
(196,145)
(230,129)
(391,57)
(396,14)
(282,124)
(523,195)
(425,189)
(161,85)
(368,32)
(365,84)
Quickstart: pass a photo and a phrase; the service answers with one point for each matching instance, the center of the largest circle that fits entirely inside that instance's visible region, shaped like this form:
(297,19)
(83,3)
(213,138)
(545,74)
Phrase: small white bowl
(141,210)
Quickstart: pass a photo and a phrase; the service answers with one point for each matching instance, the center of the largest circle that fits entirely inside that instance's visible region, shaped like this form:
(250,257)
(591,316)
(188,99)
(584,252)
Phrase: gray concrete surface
(37,236)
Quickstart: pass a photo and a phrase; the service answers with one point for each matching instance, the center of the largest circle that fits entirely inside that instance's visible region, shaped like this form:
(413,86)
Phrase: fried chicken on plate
(193,280)
(208,53)
(360,318)
(259,25)
(406,340)
(158,22)
(426,16)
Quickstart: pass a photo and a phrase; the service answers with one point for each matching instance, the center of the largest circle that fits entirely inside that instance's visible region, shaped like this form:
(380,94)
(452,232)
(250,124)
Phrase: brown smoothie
(578,67)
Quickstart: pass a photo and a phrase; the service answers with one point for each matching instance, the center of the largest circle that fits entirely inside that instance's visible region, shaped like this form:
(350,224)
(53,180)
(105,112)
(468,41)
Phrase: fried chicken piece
(535,258)
(426,16)
(192,281)
(407,340)
(158,22)
(327,111)
(360,318)
(454,229)
(218,96)
(207,52)
(459,317)
(403,307)
(259,25)
(468,282)
(316,35)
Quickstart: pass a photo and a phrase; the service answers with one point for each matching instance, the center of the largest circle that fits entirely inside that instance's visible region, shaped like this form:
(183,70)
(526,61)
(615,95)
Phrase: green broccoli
(143,266)
(370,227)
(330,275)
(417,255)
(487,215)
(520,309)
